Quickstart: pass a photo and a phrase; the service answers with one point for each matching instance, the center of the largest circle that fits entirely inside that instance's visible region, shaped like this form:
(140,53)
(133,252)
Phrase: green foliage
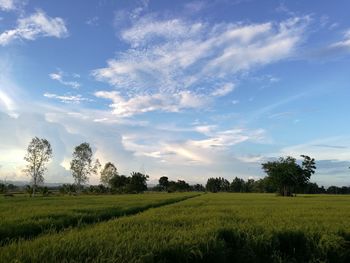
(108,172)
(220,227)
(164,183)
(217,185)
(137,183)
(287,175)
(81,164)
(39,153)
(68,189)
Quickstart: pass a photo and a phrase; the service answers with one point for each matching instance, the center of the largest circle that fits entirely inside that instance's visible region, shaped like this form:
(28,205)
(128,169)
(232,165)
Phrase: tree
(217,185)
(164,183)
(39,153)
(118,183)
(287,175)
(81,164)
(237,185)
(137,183)
(107,173)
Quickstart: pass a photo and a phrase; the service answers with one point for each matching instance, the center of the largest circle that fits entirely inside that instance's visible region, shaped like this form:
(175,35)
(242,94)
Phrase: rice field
(23,217)
(223,227)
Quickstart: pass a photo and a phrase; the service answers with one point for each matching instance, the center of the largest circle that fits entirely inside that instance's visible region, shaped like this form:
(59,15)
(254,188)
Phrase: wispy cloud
(154,102)
(75,99)
(190,151)
(174,55)
(59,77)
(223,90)
(8,5)
(35,26)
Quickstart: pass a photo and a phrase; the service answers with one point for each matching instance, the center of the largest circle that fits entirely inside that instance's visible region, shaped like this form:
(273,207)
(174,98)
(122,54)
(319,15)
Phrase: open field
(23,217)
(209,228)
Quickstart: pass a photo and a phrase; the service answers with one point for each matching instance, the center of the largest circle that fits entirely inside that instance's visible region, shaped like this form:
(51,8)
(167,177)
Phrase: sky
(184,89)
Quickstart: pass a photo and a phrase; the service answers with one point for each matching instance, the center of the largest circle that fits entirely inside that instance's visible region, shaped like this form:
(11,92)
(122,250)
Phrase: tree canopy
(39,153)
(82,164)
(287,175)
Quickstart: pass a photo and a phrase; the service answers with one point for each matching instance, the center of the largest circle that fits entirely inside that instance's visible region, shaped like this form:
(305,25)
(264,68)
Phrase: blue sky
(186,89)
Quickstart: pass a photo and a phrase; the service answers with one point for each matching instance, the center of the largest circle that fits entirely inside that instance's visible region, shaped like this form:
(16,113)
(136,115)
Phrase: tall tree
(164,183)
(107,173)
(137,182)
(82,164)
(39,153)
(287,175)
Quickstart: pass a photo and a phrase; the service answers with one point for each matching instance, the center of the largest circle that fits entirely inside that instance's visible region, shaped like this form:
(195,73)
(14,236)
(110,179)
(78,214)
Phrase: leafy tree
(118,183)
(237,185)
(217,185)
(164,183)
(198,188)
(287,175)
(137,183)
(182,186)
(82,164)
(39,153)
(107,173)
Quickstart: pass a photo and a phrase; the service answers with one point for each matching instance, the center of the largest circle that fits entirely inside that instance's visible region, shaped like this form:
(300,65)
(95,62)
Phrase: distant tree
(137,183)
(68,189)
(182,186)
(39,153)
(217,185)
(164,183)
(308,168)
(107,173)
(118,183)
(287,175)
(198,188)
(237,185)
(3,188)
(82,164)
(249,186)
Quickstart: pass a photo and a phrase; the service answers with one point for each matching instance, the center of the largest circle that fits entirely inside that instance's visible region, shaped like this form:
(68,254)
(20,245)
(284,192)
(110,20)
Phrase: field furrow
(23,218)
(208,228)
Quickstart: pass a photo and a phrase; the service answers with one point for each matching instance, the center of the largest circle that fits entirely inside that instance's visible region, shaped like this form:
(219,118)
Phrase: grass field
(23,217)
(207,228)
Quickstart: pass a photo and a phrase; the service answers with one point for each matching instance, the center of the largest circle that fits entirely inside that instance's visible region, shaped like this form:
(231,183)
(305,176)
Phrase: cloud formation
(68,98)
(7,5)
(175,56)
(35,26)
(59,77)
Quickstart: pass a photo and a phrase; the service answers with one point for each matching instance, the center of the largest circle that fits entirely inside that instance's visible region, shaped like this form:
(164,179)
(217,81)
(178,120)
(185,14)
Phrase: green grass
(23,217)
(208,228)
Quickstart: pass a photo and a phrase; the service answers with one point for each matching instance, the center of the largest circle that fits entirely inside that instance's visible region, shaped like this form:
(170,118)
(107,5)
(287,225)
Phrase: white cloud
(147,103)
(174,56)
(8,104)
(59,77)
(224,90)
(35,26)
(75,99)
(343,44)
(7,5)
(190,151)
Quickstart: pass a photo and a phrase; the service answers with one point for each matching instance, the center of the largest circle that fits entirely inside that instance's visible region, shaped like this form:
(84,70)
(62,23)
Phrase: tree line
(284,176)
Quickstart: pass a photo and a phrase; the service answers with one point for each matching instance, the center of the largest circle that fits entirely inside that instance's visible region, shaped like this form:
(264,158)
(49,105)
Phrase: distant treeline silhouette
(285,176)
